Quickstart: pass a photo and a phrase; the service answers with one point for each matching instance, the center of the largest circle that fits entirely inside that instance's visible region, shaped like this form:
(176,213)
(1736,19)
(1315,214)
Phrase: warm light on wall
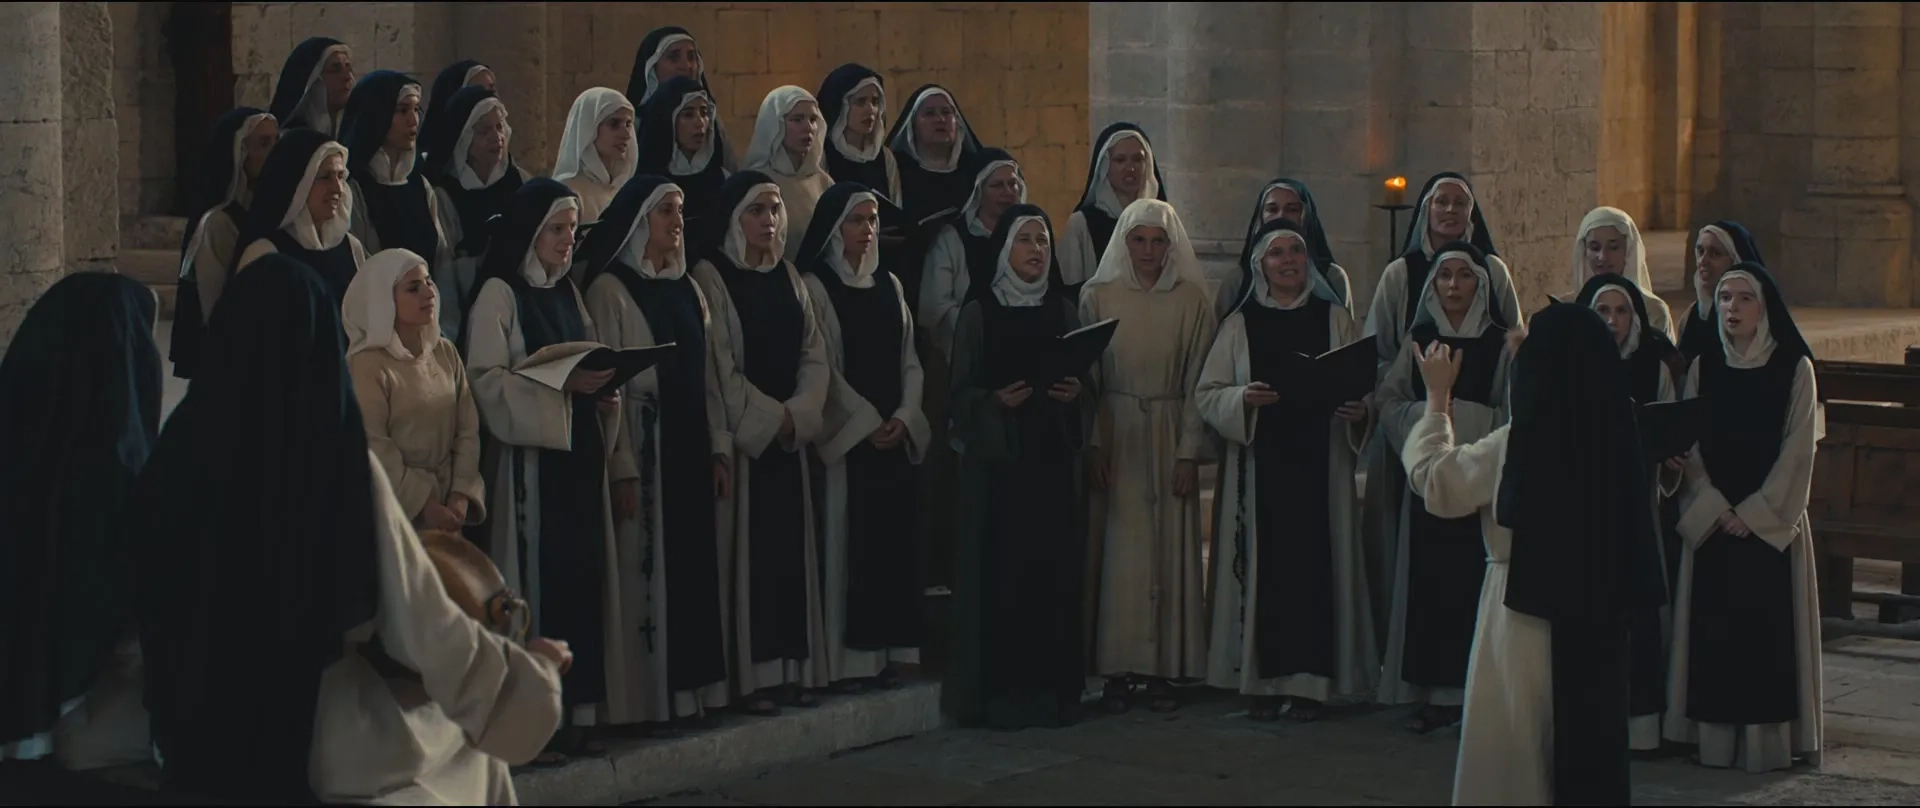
(1396,191)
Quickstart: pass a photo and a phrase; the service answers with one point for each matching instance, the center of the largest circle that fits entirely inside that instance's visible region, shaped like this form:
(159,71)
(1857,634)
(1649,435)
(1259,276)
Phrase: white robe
(620,324)
(753,426)
(1777,514)
(1231,658)
(595,196)
(847,420)
(944,281)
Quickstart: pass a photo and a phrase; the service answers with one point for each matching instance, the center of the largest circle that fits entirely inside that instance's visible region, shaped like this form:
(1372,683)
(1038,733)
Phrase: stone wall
(143,107)
(32,202)
(90,152)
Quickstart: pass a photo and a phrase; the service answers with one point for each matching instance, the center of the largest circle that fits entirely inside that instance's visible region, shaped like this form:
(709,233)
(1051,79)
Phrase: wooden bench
(1866,491)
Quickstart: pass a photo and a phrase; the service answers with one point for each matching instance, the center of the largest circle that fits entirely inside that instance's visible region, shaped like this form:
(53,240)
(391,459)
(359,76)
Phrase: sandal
(574,741)
(796,696)
(1304,710)
(1163,696)
(548,759)
(1113,697)
(889,679)
(1428,718)
(848,687)
(1264,708)
(760,706)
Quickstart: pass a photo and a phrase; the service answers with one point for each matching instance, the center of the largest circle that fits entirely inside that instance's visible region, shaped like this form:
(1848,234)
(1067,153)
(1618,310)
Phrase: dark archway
(200,45)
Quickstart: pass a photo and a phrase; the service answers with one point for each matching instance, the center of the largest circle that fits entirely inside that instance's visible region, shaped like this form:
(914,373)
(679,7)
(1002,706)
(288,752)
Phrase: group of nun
(384,320)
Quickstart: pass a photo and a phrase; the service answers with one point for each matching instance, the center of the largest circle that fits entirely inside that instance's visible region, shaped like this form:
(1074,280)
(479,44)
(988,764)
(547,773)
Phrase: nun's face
(682,59)
(1606,249)
(489,144)
(761,220)
(1000,191)
(858,231)
(483,78)
(1031,249)
(1740,308)
(1456,284)
(615,139)
(1617,310)
(1711,259)
(405,128)
(553,246)
(802,127)
(1282,203)
(1127,167)
(667,223)
(863,110)
(937,122)
(1448,211)
(337,76)
(258,144)
(1285,265)
(691,126)
(329,189)
(1147,248)
(414,298)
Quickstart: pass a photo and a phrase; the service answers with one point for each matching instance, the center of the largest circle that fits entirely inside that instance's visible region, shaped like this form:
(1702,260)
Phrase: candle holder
(1393,224)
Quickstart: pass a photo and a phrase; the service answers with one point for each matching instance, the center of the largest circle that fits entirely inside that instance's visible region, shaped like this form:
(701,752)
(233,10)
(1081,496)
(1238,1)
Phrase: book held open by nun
(552,365)
(1069,355)
(1333,378)
(1669,429)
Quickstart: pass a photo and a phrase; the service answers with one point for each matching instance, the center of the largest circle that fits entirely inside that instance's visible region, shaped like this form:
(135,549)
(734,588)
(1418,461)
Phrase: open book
(1070,354)
(1669,428)
(551,365)
(1333,378)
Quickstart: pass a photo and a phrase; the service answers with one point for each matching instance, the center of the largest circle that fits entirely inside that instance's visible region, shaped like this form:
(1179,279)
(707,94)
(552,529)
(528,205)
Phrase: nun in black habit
(1718,247)
(1122,170)
(961,256)
(1286,198)
(303,210)
(853,100)
(1019,655)
(670,569)
(1567,562)
(314,85)
(873,437)
(771,363)
(679,140)
(932,143)
(469,163)
(454,78)
(394,205)
(235,153)
(79,412)
(664,54)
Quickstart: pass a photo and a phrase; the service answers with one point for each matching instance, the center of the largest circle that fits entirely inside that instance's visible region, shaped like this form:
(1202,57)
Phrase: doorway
(199,39)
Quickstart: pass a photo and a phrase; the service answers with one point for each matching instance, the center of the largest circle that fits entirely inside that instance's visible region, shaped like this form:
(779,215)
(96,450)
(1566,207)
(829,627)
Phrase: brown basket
(476,585)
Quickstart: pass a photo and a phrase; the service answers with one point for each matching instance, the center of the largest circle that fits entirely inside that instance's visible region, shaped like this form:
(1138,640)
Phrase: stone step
(152,232)
(158,269)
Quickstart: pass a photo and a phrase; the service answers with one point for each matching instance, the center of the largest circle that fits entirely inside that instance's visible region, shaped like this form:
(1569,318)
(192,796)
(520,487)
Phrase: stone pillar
(32,203)
(1849,239)
(91,148)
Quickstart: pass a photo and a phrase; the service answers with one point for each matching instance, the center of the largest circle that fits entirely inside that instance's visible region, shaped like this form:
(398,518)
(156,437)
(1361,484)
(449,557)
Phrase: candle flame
(1397,183)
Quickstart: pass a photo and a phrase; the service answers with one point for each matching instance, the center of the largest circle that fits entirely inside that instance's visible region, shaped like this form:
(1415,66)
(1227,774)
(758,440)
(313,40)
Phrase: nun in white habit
(1609,243)
(597,150)
(787,147)
(1287,499)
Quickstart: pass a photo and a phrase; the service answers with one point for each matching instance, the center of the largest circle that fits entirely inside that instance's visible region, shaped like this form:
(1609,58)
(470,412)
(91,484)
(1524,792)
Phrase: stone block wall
(143,107)
(90,152)
(1629,100)
(32,199)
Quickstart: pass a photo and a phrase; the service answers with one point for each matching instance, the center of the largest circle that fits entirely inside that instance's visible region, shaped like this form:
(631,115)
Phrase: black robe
(336,265)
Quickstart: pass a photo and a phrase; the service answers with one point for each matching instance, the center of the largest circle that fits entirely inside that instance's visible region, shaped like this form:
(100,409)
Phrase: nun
(667,53)
(302,208)
(962,256)
(1019,639)
(873,436)
(1145,452)
(671,562)
(1715,250)
(79,412)
(1567,561)
(394,205)
(419,413)
(1122,170)
(1289,199)
(455,77)
(596,149)
(787,147)
(853,102)
(474,176)
(932,144)
(318,572)
(1746,676)
(1653,370)
(313,86)
(771,364)
(235,153)
(678,140)
(1446,213)
(1440,561)
(1288,507)
(1609,244)
(553,465)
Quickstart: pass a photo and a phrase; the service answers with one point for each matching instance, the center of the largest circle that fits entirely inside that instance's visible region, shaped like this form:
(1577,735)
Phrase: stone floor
(1208,753)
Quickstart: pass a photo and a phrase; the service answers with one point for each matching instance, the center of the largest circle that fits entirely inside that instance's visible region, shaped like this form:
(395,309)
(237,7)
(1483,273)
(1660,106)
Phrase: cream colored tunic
(944,282)
(210,269)
(1777,514)
(482,703)
(595,196)
(798,196)
(847,419)
(1232,658)
(1147,545)
(423,426)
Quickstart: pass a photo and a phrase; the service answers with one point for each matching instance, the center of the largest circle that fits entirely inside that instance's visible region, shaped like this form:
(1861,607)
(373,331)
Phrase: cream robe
(422,425)
(457,275)
(1231,658)
(753,427)
(1077,252)
(482,702)
(847,419)
(798,195)
(1506,731)
(1777,514)
(620,324)
(1400,412)
(522,413)
(1145,548)
(595,195)
(944,281)
(210,270)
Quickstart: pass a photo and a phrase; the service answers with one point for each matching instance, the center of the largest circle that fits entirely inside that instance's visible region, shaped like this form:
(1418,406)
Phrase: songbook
(1668,429)
(1070,354)
(551,365)
(1333,378)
